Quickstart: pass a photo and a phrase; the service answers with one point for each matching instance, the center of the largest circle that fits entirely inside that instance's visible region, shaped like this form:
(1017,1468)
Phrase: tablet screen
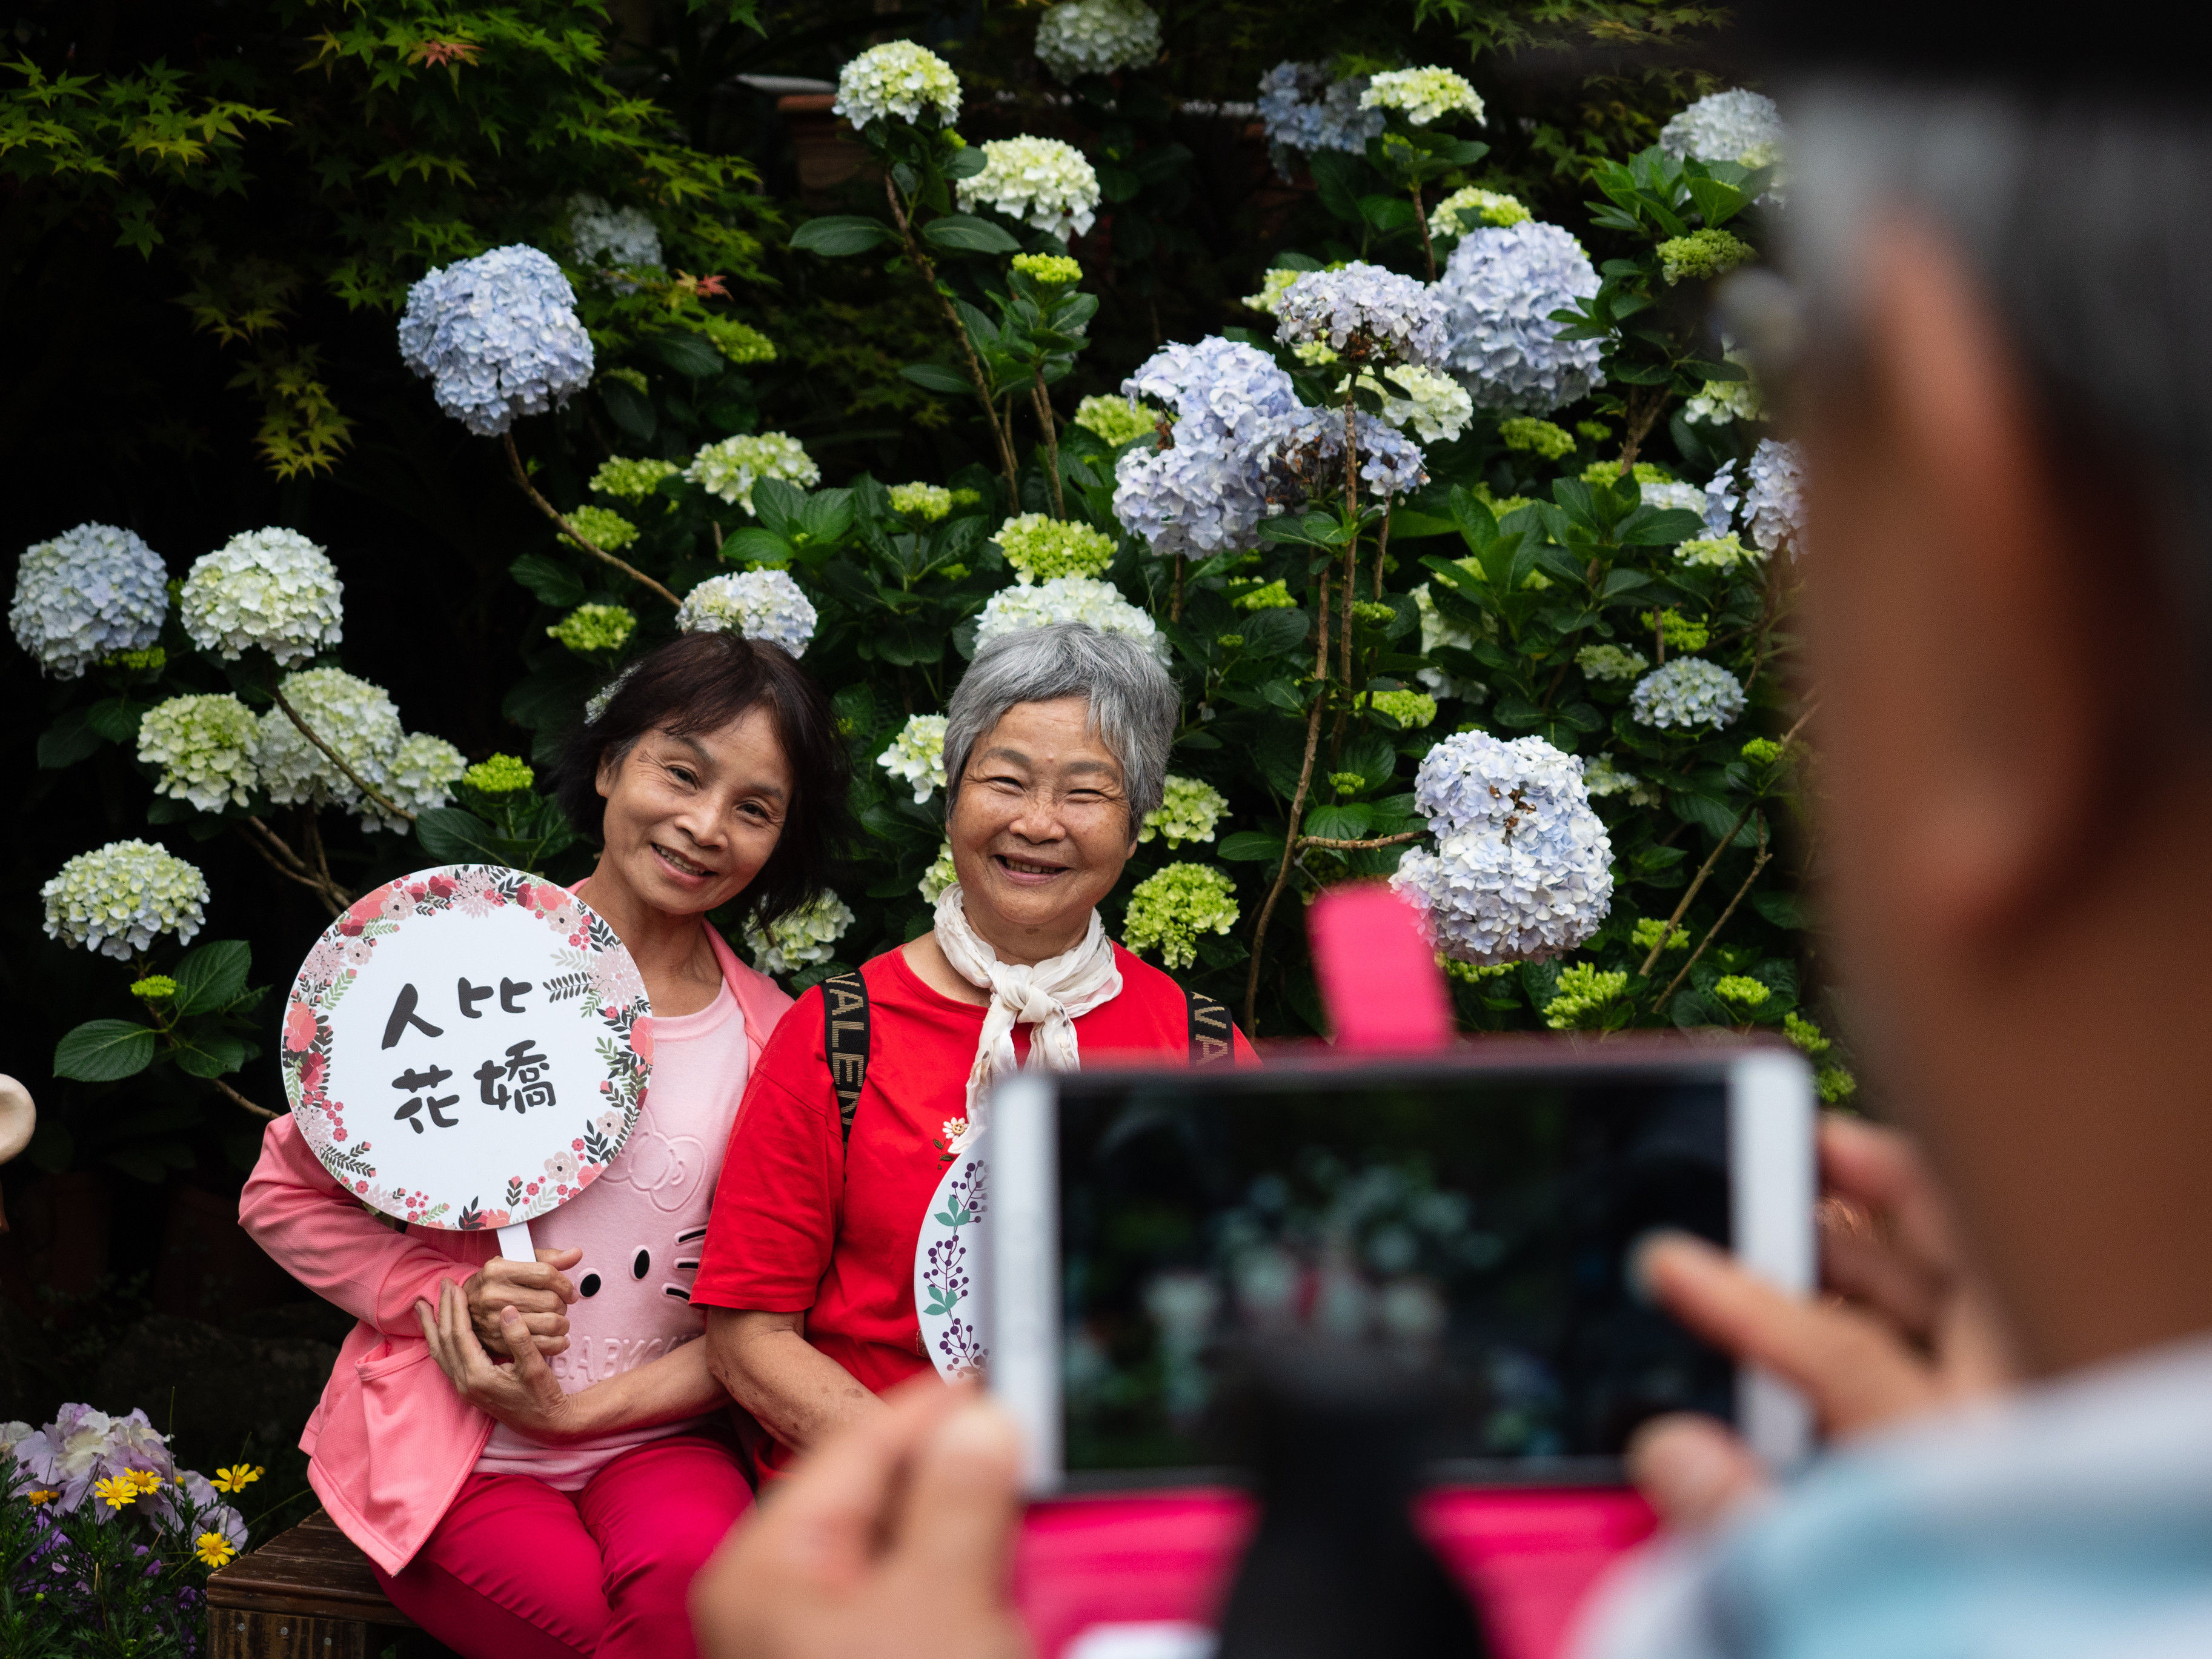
(1479,1221)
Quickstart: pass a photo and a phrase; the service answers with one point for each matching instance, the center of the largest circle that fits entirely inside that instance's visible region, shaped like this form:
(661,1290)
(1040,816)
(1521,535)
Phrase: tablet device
(1474,1213)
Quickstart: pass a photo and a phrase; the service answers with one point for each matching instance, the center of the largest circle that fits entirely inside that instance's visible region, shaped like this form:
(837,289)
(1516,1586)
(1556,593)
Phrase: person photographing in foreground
(2002,394)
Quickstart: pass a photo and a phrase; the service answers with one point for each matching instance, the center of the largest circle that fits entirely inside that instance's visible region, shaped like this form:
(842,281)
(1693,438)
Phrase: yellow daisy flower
(237,1478)
(215,1549)
(145,1479)
(42,1496)
(116,1493)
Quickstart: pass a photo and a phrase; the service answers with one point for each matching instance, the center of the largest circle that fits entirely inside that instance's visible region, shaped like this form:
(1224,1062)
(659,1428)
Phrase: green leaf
(1782,910)
(1251,847)
(1662,529)
(102,1050)
(1718,202)
(777,503)
(549,579)
(210,1054)
(1336,177)
(965,234)
(213,976)
(117,718)
(935,377)
(688,353)
(453,835)
(1349,821)
(1406,525)
(68,740)
(630,409)
(1270,632)
(1465,580)
(1715,816)
(839,235)
(753,546)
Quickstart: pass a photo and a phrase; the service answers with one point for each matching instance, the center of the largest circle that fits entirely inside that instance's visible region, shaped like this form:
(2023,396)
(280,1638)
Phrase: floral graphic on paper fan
(596,973)
(945,1265)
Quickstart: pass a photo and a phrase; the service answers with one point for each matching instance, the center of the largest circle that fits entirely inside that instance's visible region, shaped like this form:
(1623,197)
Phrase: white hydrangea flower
(921,501)
(423,771)
(1611,662)
(117,899)
(1040,181)
(498,336)
(1068,598)
(1188,811)
(1716,552)
(1774,505)
(1500,287)
(355,718)
(1522,869)
(1736,125)
(1720,402)
(1422,95)
(1437,631)
(1471,207)
(897,78)
(1302,110)
(204,747)
(760,604)
(730,468)
(608,238)
(86,595)
(940,876)
(1364,312)
(1602,777)
(1687,692)
(1670,497)
(805,936)
(1096,37)
(272,588)
(916,756)
(1435,405)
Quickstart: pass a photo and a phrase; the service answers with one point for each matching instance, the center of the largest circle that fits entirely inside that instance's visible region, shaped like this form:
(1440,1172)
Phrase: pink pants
(518,1571)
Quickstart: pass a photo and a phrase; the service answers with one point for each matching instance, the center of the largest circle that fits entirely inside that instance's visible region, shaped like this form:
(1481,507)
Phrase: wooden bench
(307,1594)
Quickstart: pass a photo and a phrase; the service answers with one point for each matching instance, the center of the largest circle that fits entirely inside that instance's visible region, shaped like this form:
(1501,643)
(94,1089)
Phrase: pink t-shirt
(640,1226)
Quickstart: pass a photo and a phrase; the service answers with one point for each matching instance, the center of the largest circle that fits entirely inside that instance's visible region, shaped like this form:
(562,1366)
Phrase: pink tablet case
(1527,1558)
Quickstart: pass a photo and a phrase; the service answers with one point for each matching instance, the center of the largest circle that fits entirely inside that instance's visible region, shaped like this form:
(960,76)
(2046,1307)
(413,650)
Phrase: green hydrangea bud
(1053,269)
(154,987)
(1762,751)
(1265,596)
(1648,931)
(921,501)
(1412,709)
(607,530)
(1116,420)
(1469,973)
(590,629)
(1583,993)
(1170,910)
(1526,432)
(631,481)
(1806,1035)
(1740,991)
(1347,783)
(1702,254)
(1678,630)
(499,775)
(1834,1086)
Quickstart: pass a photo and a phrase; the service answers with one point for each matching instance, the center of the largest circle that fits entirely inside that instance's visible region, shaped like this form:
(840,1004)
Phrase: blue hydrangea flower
(1208,490)
(1500,287)
(1303,110)
(1304,458)
(498,336)
(1687,693)
(1522,869)
(1774,507)
(1721,500)
(1364,312)
(85,595)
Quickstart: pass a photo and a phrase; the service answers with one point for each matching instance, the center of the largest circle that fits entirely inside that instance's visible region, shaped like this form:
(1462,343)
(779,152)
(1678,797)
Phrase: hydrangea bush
(1553,572)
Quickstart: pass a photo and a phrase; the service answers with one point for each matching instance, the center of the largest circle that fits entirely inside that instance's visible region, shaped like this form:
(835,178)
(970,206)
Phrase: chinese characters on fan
(524,1066)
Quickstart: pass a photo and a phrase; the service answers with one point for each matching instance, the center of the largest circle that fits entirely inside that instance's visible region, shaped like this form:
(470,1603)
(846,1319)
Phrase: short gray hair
(1133,704)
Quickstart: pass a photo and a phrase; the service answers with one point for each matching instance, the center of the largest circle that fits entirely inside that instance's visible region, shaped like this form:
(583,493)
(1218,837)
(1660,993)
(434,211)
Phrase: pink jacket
(392,1442)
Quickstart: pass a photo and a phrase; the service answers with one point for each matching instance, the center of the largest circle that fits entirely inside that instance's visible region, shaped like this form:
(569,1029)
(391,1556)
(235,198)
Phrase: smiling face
(1040,831)
(691,820)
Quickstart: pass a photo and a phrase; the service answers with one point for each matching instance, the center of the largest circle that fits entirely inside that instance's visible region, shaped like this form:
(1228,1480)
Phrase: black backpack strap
(1212,1040)
(845,1040)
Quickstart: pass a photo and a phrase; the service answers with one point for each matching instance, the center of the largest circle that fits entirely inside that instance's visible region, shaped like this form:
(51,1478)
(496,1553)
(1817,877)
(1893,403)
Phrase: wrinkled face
(1040,830)
(691,820)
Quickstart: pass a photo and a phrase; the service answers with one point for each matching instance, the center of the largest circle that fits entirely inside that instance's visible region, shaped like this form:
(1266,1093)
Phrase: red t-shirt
(803,1223)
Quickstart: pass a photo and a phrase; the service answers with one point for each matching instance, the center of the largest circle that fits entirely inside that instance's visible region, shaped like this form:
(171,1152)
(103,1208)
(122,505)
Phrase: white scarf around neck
(1050,995)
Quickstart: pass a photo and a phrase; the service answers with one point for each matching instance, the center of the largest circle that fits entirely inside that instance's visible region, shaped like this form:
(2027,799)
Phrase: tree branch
(1335,846)
(331,902)
(1757,864)
(360,782)
(237,1098)
(922,263)
(1297,809)
(522,477)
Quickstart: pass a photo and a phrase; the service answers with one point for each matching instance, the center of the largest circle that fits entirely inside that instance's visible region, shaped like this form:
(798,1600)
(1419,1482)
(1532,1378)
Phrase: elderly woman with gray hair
(1055,747)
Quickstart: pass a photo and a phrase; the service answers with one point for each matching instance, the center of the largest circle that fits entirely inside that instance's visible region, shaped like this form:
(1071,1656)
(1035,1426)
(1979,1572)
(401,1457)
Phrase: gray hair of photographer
(2003,237)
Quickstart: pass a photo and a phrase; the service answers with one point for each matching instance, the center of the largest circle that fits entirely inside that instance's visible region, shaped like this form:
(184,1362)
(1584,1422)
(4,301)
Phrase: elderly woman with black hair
(559,1506)
(1055,747)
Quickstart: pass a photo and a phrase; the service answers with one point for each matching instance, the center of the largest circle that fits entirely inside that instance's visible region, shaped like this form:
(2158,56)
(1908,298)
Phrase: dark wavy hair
(697,683)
